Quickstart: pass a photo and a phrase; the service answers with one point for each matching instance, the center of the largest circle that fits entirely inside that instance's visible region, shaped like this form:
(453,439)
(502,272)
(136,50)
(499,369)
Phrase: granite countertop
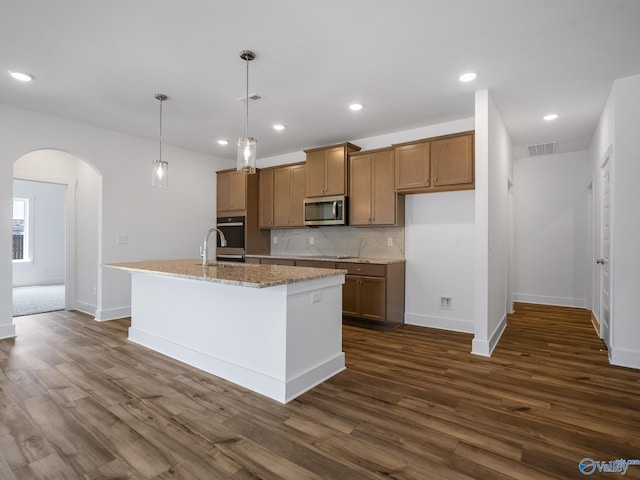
(332,258)
(241,274)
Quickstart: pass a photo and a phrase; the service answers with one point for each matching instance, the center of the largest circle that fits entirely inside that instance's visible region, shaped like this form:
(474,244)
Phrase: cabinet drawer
(315,264)
(277,261)
(368,269)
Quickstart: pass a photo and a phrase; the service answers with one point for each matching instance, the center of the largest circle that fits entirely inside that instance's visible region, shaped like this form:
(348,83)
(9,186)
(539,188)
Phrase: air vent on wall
(541,149)
(253,98)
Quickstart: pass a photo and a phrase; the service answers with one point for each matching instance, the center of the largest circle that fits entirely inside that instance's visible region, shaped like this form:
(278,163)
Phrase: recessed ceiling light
(551,116)
(355,106)
(21,76)
(279,127)
(467,77)
(223,142)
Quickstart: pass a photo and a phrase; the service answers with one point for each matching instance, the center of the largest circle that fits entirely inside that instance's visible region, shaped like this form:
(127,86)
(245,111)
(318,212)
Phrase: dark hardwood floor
(78,401)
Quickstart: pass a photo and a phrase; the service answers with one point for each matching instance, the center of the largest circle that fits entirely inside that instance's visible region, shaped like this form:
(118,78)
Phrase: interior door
(605,249)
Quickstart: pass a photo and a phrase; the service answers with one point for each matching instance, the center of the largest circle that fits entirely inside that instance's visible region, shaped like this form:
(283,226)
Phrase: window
(21,231)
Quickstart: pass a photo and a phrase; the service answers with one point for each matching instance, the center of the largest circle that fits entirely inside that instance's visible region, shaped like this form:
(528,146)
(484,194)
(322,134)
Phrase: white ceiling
(101,63)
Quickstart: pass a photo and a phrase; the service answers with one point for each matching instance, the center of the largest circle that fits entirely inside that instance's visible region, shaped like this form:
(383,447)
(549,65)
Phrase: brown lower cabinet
(278,261)
(372,294)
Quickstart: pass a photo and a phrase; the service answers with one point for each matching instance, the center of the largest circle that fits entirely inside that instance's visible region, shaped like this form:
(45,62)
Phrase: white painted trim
(87,308)
(455,325)
(50,281)
(103,315)
(486,347)
(549,300)
(624,358)
(7,331)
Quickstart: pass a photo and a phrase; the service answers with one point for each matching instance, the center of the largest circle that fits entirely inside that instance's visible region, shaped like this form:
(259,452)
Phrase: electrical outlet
(445,302)
(316,297)
(389,241)
(95,291)
(122,239)
(456,242)
(310,240)
(275,240)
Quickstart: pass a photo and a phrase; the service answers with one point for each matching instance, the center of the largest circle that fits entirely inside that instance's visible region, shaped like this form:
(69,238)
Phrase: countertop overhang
(242,274)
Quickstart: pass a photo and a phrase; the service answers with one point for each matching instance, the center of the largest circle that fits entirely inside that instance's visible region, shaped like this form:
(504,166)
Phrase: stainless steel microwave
(325,210)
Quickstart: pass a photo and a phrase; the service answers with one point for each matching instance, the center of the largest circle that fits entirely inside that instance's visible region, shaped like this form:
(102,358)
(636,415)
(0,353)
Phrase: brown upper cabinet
(237,195)
(373,200)
(265,189)
(289,189)
(231,193)
(327,172)
(434,165)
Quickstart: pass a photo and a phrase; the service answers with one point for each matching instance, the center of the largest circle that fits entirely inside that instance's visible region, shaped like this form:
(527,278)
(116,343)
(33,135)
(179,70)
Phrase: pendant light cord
(246,131)
(160,130)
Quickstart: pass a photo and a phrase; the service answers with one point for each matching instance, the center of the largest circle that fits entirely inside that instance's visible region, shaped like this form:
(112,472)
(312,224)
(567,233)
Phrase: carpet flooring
(37,299)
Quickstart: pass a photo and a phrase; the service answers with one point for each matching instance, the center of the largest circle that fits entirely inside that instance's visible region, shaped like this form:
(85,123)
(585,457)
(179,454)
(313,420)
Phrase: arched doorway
(82,198)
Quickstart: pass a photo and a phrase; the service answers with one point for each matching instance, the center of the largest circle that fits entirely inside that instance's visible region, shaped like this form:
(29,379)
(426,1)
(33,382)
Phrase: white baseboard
(103,315)
(85,308)
(455,325)
(624,358)
(485,347)
(7,331)
(40,283)
(549,300)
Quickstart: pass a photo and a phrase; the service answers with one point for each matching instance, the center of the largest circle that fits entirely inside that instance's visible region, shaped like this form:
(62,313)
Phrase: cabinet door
(237,191)
(335,177)
(383,193)
(298,194)
(360,184)
(412,166)
(452,161)
(282,197)
(265,199)
(316,171)
(372,298)
(350,296)
(231,191)
(222,192)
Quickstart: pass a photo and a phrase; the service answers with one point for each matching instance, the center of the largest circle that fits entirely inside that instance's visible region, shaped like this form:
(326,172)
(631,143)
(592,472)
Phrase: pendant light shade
(160,168)
(247,145)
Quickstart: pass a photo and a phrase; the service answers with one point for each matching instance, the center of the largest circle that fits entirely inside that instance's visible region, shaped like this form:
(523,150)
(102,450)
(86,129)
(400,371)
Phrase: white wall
(550,229)
(440,245)
(433,222)
(87,210)
(616,137)
(159,223)
(493,173)
(625,226)
(47,211)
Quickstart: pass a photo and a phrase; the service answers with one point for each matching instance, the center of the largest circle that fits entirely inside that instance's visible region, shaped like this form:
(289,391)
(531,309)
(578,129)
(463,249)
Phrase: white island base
(279,341)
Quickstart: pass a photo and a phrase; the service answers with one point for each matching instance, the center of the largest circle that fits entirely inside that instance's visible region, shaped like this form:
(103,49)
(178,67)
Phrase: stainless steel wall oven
(234,232)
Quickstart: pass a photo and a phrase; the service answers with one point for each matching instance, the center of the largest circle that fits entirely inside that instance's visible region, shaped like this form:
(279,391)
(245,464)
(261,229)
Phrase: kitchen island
(273,329)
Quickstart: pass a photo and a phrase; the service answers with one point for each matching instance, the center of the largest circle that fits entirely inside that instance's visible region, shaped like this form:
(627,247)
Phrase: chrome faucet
(204,250)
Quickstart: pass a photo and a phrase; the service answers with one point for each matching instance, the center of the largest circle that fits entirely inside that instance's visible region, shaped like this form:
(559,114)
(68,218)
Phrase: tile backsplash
(339,240)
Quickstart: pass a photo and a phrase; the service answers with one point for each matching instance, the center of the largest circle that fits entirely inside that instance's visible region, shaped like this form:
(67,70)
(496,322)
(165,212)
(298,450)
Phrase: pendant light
(160,168)
(247,144)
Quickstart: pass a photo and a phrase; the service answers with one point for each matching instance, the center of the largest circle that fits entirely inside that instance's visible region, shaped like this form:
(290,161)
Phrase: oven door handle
(231,224)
